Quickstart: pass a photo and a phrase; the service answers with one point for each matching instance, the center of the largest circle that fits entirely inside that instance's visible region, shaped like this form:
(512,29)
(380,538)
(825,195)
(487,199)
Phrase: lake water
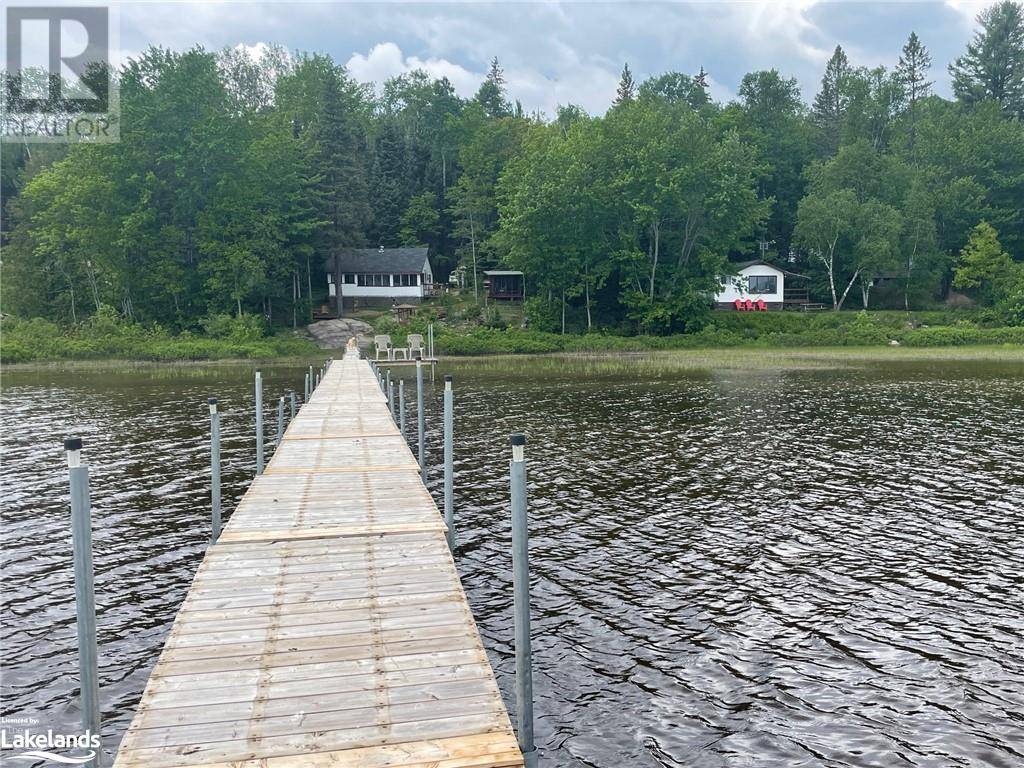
(772,567)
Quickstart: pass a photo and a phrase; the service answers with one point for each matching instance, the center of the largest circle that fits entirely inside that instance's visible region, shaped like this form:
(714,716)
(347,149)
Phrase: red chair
(748,305)
(739,305)
(761,306)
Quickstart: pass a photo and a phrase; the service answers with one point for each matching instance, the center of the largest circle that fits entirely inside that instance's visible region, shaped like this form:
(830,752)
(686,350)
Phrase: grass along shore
(648,364)
(107,337)
(668,362)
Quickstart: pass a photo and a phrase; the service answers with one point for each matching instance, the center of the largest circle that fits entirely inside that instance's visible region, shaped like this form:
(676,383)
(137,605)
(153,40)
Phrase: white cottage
(754,280)
(378,276)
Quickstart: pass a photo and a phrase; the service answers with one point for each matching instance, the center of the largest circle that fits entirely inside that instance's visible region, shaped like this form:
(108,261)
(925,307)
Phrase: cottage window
(762,284)
(374,280)
(350,278)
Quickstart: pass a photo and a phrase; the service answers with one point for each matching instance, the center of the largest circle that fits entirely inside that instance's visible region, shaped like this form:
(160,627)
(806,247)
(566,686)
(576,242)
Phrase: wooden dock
(327,626)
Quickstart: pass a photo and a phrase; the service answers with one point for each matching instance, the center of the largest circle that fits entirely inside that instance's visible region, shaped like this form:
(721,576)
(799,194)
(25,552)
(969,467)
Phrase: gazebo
(403,312)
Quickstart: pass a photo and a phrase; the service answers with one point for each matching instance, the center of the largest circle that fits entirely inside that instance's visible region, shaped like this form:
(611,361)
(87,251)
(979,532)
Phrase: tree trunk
(71,288)
(586,291)
(656,230)
(906,285)
(563,313)
(832,285)
(309,288)
(472,247)
(94,287)
(830,263)
(690,233)
(865,292)
(849,285)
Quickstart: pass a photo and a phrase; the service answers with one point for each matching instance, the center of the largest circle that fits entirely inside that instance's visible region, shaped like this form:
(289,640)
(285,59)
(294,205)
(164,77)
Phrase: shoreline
(710,357)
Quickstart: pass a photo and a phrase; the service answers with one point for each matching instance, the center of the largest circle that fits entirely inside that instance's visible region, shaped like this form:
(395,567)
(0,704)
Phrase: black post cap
(73,444)
(518,439)
(212,400)
(447,377)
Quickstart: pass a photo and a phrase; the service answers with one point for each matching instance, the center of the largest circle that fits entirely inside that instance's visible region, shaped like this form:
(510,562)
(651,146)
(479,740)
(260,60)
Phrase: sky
(567,52)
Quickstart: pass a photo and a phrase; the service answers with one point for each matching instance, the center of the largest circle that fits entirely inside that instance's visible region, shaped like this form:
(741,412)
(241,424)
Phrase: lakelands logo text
(41,746)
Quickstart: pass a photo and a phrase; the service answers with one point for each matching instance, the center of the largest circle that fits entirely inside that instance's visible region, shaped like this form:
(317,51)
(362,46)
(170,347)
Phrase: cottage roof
(370,260)
(501,272)
(739,266)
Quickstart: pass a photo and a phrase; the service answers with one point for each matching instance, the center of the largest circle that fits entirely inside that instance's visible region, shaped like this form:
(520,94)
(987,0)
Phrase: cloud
(589,85)
(560,52)
(386,60)
(968,9)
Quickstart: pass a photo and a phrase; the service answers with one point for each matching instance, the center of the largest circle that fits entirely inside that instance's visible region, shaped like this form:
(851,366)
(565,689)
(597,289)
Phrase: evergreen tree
(993,67)
(491,95)
(912,74)
(701,80)
(627,88)
(832,100)
(388,186)
(340,160)
(421,222)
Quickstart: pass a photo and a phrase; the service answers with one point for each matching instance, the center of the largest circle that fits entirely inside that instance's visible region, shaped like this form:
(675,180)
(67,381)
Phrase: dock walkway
(327,626)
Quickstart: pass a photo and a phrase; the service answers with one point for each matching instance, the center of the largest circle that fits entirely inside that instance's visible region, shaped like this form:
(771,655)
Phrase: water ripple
(784,568)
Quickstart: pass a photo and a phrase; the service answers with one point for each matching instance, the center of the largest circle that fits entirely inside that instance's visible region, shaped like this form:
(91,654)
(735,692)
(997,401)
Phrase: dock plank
(328,625)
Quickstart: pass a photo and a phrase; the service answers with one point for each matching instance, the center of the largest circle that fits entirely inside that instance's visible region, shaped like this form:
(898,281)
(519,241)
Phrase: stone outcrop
(335,334)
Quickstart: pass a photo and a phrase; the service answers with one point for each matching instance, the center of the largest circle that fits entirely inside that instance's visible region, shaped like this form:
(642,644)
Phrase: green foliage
(541,315)
(738,329)
(235,328)
(493,319)
(1012,307)
(652,194)
(492,96)
(473,313)
(421,220)
(627,88)
(993,66)
(236,177)
(984,268)
(106,336)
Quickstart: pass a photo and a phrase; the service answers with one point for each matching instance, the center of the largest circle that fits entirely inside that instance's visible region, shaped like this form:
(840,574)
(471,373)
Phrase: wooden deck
(328,626)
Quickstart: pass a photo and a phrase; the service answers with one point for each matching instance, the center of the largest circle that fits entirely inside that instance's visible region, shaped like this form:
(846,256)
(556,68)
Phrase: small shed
(504,284)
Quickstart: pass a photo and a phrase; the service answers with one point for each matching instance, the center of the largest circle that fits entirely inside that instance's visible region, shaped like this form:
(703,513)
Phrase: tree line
(237,174)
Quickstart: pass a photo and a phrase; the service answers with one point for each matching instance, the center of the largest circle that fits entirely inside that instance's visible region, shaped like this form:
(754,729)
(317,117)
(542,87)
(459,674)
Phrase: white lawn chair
(415,342)
(382,342)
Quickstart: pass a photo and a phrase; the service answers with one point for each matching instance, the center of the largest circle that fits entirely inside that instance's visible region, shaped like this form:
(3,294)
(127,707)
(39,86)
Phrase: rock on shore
(334,334)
